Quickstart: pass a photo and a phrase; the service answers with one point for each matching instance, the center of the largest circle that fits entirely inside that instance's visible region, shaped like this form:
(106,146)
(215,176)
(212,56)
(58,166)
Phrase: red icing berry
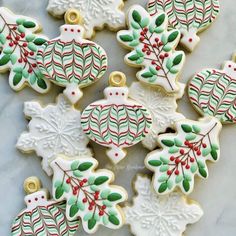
(157,40)
(199,153)
(14,28)
(92,203)
(81,183)
(90,208)
(160,44)
(183,163)
(186,142)
(187,167)
(85,200)
(30,70)
(85,180)
(177,161)
(166,54)
(8,37)
(158,67)
(148,53)
(181,151)
(196,149)
(31,53)
(104,207)
(153,62)
(191,159)
(172,158)
(101,213)
(74,192)
(17,37)
(204,145)
(177,172)
(161,57)
(11,44)
(169,172)
(141,39)
(68,181)
(22,35)
(154,45)
(20,60)
(25,44)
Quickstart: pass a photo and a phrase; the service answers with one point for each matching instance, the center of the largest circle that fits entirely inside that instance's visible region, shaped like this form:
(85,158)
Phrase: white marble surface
(217,195)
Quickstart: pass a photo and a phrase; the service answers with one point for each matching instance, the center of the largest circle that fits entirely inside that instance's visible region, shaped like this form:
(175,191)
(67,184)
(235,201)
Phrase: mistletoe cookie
(153,48)
(88,193)
(213,92)
(42,216)
(53,130)
(162,107)
(160,216)
(116,122)
(95,13)
(71,61)
(184,155)
(190,17)
(19,46)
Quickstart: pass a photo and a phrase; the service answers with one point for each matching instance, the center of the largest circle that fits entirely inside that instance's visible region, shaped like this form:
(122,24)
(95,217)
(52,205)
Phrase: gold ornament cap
(117,79)
(73,17)
(32,185)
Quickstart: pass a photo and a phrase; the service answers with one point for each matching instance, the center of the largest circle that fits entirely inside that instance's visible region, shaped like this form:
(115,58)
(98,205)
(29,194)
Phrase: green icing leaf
(214,154)
(155,163)
(173,36)
(160,20)
(73,210)
(39,41)
(203,172)
(136,16)
(177,59)
(186,185)
(5,59)
(134,57)
(74,165)
(100,180)
(85,166)
(91,223)
(186,128)
(114,197)
(126,38)
(196,129)
(29,24)
(147,74)
(17,79)
(41,83)
(167,142)
(162,188)
(114,220)
(59,192)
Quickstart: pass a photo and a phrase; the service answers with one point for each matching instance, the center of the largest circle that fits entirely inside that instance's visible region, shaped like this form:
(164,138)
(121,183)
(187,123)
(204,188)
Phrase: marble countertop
(217,195)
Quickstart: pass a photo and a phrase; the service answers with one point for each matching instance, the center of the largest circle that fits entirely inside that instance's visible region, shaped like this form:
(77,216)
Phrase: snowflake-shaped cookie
(53,130)
(160,216)
(162,107)
(95,13)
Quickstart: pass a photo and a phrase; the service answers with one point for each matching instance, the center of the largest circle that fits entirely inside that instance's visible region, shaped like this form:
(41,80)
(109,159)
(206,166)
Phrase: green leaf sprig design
(19,47)
(184,155)
(153,48)
(88,193)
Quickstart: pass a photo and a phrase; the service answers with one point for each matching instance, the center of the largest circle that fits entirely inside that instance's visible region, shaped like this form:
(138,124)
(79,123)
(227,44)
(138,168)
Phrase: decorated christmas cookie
(95,13)
(19,46)
(153,48)
(116,122)
(71,61)
(54,129)
(213,92)
(162,107)
(184,155)
(42,216)
(88,193)
(160,216)
(190,17)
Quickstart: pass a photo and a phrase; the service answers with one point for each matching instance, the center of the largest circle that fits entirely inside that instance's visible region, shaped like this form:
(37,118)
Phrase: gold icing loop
(117,79)
(73,17)
(32,185)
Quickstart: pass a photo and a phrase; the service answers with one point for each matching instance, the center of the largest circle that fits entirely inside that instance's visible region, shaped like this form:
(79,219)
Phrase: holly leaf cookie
(160,216)
(53,130)
(116,122)
(71,61)
(89,194)
(95,13)
(19,45)
(153,48)
(184,155)
(212,92)
(42,216)
(190,17)
(162,107)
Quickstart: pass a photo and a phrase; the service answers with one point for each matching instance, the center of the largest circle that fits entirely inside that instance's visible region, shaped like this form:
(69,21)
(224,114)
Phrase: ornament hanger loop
(117,79)
(32,185)
(73,17)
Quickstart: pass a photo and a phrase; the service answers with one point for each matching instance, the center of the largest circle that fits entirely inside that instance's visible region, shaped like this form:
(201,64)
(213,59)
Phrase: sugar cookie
(88,193)
(53,130)
(190,17)
(116,122)
(213,92)
(162,107)
(42,216)
(153,48)
(19,46)
(71,61)
(95,13)
(160,216)
(184,155)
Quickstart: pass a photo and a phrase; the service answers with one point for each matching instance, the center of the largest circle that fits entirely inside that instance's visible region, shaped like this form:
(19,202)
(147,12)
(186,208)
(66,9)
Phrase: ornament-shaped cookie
(71,61)
(42,216)
(162,106)
(153,48)
(89,194)
(160,216)
(116,122)
(190,17)
(53,130)
(19,45)
(184,155)
(213,92)
(95,13)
